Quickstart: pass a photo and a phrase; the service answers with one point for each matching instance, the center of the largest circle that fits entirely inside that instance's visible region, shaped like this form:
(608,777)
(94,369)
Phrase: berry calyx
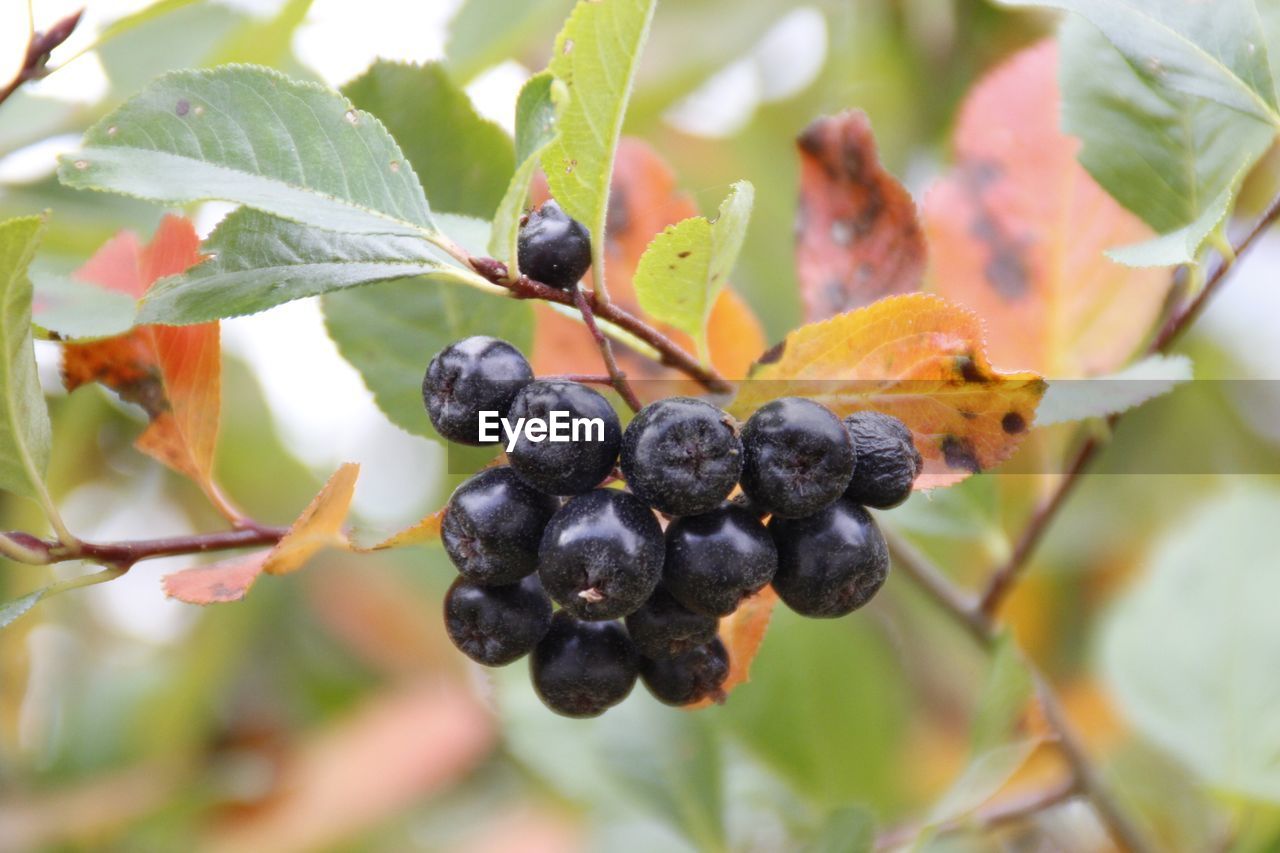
(798,457)
(493,526)
(601,555)
(887,460)
(691,677)
(474,374)
(665,628)
(565,467)
(581,669)
(681,456)
(830,563)
(553,247)
(717,559)
(495,625)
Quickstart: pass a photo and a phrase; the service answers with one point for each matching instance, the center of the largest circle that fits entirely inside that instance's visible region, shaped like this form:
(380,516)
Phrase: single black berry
(471,376)
(493,525)
(717,559)
(831,563)
(581,669)
(495,625)
(693,676)
(888,462)
(665,628)
(601,555)
(681,456)
(553,247)
(573,412)
(798,457)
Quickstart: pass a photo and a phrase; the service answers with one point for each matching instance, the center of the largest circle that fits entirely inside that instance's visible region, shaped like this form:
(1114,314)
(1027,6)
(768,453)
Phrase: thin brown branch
(1011,810)
(944,593)
(617,377)
(34,64)
(122,555)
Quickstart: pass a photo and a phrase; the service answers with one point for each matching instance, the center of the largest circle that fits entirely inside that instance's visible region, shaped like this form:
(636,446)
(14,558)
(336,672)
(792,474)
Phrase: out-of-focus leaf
(1077,399)
(252,136)
(65,308)
(1206,689)
(1018,229)
(24,419)
(463,160)
(918,358)
(486,32)
(683,270)
(848,830)
(537,111)
(262,42)
(1177,812)
(857,235)
(596,55)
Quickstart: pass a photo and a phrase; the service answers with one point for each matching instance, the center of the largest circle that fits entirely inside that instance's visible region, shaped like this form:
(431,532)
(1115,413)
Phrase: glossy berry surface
(495,625)
(717,559)
(581,669)
(565,467)
(493,526)
(601,555)
(553,247)
(470,376)
(664,628)
(888,462)
(691,677)
(681,456)
(831,563)
(798,457)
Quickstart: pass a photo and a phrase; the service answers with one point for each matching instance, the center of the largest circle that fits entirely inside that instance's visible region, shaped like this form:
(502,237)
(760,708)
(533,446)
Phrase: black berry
(717,559)
(693,676)
(681,456)
(553,248)
(465,378)
(665,628)
(601,555)
(493,525)
(831,563)
(495,625)
(581,669)
(565,467)
(888,462)
(798,457)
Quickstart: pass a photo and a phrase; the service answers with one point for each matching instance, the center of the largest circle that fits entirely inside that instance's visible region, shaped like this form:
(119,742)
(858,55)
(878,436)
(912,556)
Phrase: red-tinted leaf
(216,583)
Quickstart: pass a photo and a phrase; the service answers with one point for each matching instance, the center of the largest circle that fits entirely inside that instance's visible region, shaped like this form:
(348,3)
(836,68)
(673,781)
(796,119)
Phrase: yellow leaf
(319,526)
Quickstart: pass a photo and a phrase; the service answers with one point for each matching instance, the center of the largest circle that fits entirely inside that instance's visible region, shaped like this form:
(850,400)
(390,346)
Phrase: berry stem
(619,379)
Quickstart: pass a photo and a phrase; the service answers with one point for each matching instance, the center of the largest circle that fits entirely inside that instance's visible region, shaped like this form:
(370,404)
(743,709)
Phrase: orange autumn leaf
(216,583)
(916,357)
(858,238)
(742,632)
(426,530)
(1017,231)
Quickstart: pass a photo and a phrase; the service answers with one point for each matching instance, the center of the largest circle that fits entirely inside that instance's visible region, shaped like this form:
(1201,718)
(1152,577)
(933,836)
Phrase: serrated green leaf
(1174,159)
(1076,399)
(11,610)
(463,160)
(24,418)
(252,136)
(595,56)
(537,109)
(67,309)
(485,32)
(683,270)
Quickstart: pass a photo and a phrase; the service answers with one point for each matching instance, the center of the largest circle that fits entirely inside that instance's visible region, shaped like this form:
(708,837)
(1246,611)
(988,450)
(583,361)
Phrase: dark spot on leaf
(184,106)
(958,453)
(1008,267)
(773,354)
(968,369)
(967,415)
(1013,423)
(671,266)
(684,254)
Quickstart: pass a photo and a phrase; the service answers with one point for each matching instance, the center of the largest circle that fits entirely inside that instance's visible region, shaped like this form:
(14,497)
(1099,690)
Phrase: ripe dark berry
(681,456)
(465,378)
(581,669)
(665,628)
(798,457)
(888,462)
(693,676)
(831,563)
(495,625)
(553,247)
(717,559)
(565,467)
(601,555)
(493,525)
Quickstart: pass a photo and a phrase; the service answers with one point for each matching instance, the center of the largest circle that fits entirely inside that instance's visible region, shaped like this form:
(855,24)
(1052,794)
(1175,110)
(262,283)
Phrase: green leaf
(486,32)
(537,112)
(683,270)
(259,261)
(1174,159)
(848,830)
(463,160)
(252,136)
(263,42)
(595,56)
(1222,51)
(24,418)
(1190,652)
(67,309)
(1076,399)
(11,610)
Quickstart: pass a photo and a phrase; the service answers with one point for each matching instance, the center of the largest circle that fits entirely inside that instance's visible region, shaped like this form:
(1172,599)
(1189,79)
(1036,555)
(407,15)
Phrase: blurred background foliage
(327,710)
